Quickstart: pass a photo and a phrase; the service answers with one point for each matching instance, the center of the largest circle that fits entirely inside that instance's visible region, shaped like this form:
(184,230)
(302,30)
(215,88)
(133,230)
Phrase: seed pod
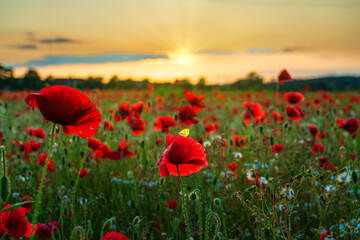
(217,202)
(5,189)
(271,140)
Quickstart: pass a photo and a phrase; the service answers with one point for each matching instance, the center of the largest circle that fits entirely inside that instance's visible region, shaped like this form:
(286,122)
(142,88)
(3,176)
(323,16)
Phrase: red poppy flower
(184,152)
(195,101)
(171,204)
(351,125)
(294,97)
(329,166)
(313,130)
(46,230)
(121,152)
(278,117)
(13,222)
(108,125)
(114,236)
(277,148)
(164,123)
(32,146)
(323,160)
(284,76)
(138,108)
(137,125)
(324,233)
(187,115)
(209,128)
(318,148)
(239,141)
(68,107)
(294,113)
(123,111)
(94,143)
(233,166)
(42,160)
(254,110)
(38,132)
(83,173)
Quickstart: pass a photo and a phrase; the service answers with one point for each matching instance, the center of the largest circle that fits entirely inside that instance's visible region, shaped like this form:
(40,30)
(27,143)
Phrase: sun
(181,57)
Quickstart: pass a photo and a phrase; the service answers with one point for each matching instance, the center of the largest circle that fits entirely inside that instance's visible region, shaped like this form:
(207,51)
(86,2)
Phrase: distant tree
(201,83)
(114,83)
(32,80)
(92,82)
(252,81)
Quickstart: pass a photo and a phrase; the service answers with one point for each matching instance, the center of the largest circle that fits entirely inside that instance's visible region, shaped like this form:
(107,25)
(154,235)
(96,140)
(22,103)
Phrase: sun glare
(181,57)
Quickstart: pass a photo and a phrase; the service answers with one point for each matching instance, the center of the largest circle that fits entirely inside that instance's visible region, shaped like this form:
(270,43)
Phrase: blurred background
(116,43)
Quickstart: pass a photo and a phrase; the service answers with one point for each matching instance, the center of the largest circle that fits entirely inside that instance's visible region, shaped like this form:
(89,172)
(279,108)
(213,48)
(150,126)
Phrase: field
(278,166)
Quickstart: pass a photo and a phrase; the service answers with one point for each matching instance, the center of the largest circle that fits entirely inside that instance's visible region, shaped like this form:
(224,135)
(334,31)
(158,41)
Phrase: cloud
(260,50)
(25,47)
(217,52)
(104,58)
(57,40)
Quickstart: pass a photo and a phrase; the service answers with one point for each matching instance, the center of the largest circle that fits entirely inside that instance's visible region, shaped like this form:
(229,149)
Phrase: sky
(221,40)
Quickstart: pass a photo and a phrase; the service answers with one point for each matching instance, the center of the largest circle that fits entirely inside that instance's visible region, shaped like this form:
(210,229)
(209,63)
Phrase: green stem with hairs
(74,192)
(38,198)
(184,206)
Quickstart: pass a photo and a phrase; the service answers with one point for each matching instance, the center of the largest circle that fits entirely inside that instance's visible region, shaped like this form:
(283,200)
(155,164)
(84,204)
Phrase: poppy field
(179,164)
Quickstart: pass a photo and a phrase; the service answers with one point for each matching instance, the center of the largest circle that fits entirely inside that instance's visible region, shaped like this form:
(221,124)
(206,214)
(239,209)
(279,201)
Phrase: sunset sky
(221,40)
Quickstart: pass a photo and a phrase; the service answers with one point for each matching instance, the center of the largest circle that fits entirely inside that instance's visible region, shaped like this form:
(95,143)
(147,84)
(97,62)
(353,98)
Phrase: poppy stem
(74,192)
(38,198)
(184,205)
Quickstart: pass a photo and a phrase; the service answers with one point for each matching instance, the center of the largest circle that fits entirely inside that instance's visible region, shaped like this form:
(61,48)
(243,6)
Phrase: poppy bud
(175,117)
(354,177)
(136,221)
(5,189)
(149,104)
(217,237)
(193,196)
(82,154)
(271,140)
(286,124)
(261,128)
(217,202)
(90,232)
(66,152)
(162,181)
(318,112)
(126,136)
(215,181)
(87,159)
(162,195)
(131,204)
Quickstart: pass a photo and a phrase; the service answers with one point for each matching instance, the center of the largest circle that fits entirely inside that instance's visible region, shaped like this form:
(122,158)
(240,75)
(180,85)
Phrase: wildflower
(284,76)
(171,204)
(46,230)
(164,123)
(195,101)
(68,107)
(183,154)
(294,97)
(294,113)
(13,222)
(287,192)
(344,177)
(187,115)
(114,236)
